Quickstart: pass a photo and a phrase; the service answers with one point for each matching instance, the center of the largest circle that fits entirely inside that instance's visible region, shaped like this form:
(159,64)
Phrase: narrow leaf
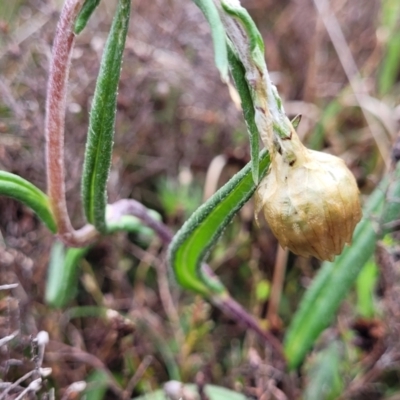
(62,279)
(131,224)
(238,73)
(389,66)
(14,186)
(200,232)
(86,12)
(365,288)
(102,121)
(334,280)
(218,34)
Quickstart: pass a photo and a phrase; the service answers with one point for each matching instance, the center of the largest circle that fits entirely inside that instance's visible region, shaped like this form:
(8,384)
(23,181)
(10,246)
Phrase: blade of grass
(14,186)
(196,237)
(102,122)
(334,280)
(390,64)
(218,35)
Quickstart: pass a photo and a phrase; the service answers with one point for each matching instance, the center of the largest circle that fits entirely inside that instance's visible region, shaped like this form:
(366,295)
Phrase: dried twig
(277,285)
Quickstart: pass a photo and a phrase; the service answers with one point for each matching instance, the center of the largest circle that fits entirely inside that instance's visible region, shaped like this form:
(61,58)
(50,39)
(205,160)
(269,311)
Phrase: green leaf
(62,278)
(102,122)
(390,65)
(334,280)
(131,224)
(86,12)
(85,312)
(97,385)
(365,287)
(238,73)
(200,232)
(18,188)
(218,34)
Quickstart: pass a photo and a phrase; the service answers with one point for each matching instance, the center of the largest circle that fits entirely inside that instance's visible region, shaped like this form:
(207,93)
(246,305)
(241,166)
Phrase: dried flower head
(310,200)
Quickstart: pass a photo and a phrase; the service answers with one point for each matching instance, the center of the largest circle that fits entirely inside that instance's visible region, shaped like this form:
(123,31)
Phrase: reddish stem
(54,127)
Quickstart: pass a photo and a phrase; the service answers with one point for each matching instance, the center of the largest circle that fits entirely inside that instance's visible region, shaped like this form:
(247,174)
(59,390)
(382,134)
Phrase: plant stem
(54,127)
(277,285)
(132,207)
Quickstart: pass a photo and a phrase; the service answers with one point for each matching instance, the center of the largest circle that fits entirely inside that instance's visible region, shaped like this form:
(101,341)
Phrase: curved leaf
(199,233)
(14,186)
(218,35)
(102,121)
(62,278)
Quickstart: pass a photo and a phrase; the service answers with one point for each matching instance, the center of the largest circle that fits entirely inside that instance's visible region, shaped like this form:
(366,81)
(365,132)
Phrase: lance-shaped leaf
(62,279)
(86,12)
(218,35)
(102,121)
(200,232)
(14,186)
(334,280)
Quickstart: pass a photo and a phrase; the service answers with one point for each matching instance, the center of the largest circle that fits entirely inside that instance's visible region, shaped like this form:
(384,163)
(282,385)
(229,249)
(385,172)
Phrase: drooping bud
(310,200)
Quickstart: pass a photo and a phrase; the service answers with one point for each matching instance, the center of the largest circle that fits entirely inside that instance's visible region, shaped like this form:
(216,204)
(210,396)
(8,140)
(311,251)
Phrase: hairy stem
(54,127)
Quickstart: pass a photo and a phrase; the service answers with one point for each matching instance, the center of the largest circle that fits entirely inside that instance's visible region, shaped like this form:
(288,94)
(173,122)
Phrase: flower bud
(310,201)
